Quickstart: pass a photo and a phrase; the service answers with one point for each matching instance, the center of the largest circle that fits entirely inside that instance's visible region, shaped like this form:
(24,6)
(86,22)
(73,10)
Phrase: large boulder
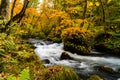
(116,51)
(77,40)
(58,73)
(106,42)
(102,41)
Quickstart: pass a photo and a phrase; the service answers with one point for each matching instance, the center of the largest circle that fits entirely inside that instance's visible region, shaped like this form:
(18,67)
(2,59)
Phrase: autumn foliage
(77,40)
(59,21)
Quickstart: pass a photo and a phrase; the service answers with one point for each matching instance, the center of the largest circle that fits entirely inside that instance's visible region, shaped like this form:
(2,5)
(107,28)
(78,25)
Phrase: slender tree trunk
(103,16)
(4,9)
(84,12)
(108,15)
(17,18)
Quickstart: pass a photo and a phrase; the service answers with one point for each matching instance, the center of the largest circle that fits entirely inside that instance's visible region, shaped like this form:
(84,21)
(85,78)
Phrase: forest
(80,26)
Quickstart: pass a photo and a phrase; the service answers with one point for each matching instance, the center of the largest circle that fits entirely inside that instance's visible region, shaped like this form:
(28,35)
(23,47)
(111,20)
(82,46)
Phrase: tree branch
(12,10)
(18,16)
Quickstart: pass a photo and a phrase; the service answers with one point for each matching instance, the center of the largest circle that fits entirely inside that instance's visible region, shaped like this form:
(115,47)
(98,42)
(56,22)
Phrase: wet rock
(33,47)
(106,69)
(95,77)
(102,47)
(46,61)
(32,41)
(119,70)
(101,41)
(65,55)
(116,50)
(48,42)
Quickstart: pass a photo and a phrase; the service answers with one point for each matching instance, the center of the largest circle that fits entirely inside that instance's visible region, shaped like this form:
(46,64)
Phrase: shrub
(55,34)
(26,30)
(77,40)
(6,42)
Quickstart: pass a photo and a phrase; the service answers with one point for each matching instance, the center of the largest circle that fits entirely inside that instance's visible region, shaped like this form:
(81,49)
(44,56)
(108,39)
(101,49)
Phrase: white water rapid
(85,64)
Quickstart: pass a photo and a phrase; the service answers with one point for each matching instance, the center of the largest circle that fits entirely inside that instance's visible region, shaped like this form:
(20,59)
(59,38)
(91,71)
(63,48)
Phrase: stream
(82,65)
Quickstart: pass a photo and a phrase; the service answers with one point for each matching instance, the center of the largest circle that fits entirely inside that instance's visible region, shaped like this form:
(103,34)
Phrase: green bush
(25,30)
(77,40)
(7,43)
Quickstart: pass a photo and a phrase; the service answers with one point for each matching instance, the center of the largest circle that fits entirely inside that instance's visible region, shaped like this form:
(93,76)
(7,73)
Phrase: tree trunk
(84,12)
(4,9)
(103,16)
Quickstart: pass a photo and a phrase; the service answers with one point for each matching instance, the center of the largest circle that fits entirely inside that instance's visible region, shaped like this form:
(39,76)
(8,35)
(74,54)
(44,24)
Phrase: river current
(83,65)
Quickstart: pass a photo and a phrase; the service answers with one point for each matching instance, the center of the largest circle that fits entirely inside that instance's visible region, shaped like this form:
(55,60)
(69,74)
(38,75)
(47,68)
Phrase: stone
(65,55)
(95,77)
(106,69)
(46,61)
(101,47)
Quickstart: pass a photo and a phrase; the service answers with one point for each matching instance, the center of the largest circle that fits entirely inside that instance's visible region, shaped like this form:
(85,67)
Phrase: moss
(59,73)
(103,36)
(106,69)
(77,40)
(95,77)
(107,43)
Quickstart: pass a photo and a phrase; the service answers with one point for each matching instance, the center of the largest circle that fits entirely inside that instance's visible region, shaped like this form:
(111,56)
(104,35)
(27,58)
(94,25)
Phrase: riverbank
(18,61)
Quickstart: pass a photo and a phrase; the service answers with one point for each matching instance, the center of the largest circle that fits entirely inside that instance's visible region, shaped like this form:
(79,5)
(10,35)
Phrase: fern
(24,75)
(11,77)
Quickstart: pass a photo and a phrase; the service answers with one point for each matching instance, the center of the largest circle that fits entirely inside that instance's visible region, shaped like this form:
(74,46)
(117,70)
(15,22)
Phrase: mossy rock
(116,51)
(95,77)
(100,41)
(107,43)
(103,36)
(59,73)
(101,47)
(106,69)
(77,40)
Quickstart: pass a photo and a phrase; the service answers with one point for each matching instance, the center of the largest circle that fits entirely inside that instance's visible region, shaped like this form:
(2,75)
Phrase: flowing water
(83,65)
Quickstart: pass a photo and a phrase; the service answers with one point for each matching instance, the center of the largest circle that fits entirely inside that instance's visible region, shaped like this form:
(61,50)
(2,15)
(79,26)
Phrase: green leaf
(24,75)
(1,21)
(11,77)
(116,20)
